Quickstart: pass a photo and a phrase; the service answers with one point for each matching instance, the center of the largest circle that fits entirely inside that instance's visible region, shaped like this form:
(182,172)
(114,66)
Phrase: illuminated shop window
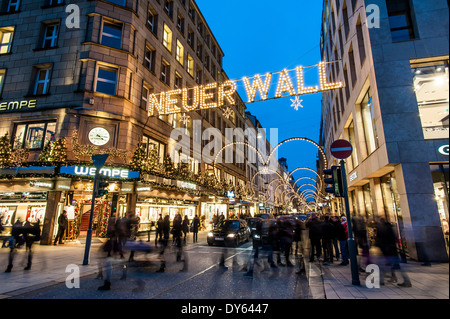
(431,86)
(368,119)
(6,36)
(167,39)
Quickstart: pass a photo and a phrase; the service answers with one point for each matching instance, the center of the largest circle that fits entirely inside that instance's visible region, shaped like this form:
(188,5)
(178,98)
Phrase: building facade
(393,58)
(82,75)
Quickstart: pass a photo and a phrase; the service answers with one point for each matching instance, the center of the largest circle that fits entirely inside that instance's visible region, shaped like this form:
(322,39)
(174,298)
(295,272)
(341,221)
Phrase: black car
(230,232)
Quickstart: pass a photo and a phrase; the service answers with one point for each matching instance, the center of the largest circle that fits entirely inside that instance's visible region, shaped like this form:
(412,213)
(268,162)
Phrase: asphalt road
(204,279)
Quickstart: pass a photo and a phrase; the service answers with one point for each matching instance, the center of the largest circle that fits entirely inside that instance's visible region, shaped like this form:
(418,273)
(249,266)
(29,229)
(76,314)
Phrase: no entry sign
(341,149)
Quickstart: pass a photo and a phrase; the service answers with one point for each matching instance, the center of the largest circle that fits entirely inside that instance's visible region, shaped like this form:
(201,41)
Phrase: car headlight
(230,235)
(256,236)
(210,235)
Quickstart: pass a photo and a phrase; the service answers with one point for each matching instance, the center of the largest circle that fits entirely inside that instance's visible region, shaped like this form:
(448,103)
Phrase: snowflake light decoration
(296,103)
(227,113)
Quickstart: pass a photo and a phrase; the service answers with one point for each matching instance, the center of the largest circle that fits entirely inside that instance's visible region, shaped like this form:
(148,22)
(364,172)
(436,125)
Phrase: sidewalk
(333,281)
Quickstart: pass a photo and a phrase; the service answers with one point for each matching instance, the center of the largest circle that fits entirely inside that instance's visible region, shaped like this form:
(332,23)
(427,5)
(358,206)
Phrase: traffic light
(335,180)
(102,188)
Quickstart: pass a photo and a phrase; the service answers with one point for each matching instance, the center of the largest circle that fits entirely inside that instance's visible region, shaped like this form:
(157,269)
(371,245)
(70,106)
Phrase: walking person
(336,223)
(386,240)
(159,230)
(185,228)
(165,241)
(342,235)
(31,233)
(63,223)
(195,226)
(327,240)
(315,236)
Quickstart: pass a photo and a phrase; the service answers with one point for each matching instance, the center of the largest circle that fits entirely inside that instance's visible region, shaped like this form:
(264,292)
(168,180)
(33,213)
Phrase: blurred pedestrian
(195,226)
(386,240)
(165,241)
(298,237)
(272,243)
(159,230)
(315,236)
(286,238)
(327,240)
(336,223)
(342,235)
(257,236)
(31,233)
(362,241)
(63,223)
(185,227)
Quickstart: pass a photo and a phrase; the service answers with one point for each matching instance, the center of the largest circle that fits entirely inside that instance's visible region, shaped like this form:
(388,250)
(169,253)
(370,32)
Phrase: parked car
(230,232)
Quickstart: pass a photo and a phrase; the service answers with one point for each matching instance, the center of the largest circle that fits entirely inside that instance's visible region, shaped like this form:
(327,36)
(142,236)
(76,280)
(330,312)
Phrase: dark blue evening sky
(260,36)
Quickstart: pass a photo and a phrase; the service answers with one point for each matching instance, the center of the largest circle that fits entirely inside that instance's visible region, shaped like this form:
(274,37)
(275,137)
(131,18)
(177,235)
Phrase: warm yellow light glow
(257,85)
(285,85)
(214,95)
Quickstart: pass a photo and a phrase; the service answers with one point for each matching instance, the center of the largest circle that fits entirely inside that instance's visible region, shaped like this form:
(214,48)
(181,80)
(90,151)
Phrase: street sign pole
(99,161)
(351,240)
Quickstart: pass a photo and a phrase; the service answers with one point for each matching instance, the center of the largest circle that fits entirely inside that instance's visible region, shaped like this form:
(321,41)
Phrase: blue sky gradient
(268,36)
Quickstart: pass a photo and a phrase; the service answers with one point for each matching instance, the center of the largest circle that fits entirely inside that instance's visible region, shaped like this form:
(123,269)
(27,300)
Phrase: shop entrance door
(84,220)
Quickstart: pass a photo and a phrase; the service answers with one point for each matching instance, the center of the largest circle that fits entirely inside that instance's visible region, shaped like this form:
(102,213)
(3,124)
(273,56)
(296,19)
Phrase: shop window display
(431,82)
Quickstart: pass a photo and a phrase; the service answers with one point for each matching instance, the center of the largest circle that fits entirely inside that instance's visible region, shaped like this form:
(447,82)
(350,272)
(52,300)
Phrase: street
(204,279)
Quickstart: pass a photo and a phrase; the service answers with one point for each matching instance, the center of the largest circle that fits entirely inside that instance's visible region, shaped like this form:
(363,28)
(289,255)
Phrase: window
(431,82)
(180,53)
(2,80)
(118,2)
(191,38)
(149,57)
(152,20)
(178,81)
(361,45)
(55,2)
(199,50)
(190,66)
(352,140)
(50,35)
(13,6)
(150,143)
(199,76)
(112,35)
(400,20)
(168,7)
(106,80)
(167,39)
(6,37)
(165,72)
(368,119)
(207,62)
(146,90)
(33,135)
(42,80)
(192,12)
(180,23)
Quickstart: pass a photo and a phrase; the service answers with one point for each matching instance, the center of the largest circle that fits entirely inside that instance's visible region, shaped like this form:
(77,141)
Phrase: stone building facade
(393,58)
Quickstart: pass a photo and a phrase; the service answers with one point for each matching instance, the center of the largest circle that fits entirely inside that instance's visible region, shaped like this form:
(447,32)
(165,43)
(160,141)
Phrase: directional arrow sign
(341,149)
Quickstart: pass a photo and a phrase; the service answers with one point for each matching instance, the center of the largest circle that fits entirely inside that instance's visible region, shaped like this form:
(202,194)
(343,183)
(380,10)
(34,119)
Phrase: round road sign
(341,149)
